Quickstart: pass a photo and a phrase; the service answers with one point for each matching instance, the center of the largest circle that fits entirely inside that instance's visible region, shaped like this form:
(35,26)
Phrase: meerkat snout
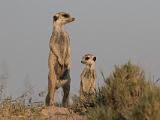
(73,19)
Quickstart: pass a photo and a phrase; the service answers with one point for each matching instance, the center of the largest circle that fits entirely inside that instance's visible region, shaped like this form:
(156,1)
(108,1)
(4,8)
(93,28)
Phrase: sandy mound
(60,113)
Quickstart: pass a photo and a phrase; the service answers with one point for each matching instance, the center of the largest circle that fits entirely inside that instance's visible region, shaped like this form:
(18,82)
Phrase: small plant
(82,106)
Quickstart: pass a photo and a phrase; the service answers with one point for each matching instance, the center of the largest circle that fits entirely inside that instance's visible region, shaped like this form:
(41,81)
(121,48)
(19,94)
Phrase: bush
(81,106)
(125,96)
(148,107)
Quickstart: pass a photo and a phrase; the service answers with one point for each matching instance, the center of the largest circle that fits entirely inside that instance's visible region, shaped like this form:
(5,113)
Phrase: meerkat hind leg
(66,90)
(51,90)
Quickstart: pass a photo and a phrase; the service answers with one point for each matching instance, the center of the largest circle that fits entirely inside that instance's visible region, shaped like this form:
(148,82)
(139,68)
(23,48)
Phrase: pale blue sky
(114,30)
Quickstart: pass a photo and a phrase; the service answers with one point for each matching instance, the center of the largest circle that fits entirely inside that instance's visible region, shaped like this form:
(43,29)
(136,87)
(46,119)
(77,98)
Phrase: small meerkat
(88,77)
(59,59)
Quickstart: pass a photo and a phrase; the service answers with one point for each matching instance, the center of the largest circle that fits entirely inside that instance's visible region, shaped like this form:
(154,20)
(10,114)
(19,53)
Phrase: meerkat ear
(94,58)
(55,18)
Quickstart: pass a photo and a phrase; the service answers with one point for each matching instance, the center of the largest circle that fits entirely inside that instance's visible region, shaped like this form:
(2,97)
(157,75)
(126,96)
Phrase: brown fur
(59,59)
(88,77)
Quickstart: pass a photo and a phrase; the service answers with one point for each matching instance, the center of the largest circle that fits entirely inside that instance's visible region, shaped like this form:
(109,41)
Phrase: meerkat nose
(73,19)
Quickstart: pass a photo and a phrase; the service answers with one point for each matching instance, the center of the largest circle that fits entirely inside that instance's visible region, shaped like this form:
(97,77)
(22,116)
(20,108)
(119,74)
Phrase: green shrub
(122,95)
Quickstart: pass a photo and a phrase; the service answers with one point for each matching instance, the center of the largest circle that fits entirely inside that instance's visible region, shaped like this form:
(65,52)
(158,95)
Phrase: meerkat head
(62,18)
(88,59)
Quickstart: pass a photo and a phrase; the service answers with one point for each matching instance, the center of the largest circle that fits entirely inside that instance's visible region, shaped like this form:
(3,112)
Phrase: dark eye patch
(94,58)
(87,58)
(65,15)
(55,18)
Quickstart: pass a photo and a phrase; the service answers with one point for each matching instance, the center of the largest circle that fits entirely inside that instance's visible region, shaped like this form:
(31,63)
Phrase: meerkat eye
(55,18)
(87,58)
(94,58)
(65,15)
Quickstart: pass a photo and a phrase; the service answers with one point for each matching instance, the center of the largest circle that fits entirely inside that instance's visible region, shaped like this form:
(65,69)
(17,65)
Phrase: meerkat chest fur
(62,42)
(89,74)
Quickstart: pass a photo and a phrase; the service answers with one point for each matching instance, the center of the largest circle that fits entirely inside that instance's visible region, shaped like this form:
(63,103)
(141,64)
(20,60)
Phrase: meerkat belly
(61,72)
(87,84)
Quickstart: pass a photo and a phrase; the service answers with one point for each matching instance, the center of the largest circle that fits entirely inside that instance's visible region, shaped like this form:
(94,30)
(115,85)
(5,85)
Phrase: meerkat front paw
(60,61)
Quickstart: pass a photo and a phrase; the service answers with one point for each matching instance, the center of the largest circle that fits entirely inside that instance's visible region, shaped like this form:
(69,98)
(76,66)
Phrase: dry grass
(16,110)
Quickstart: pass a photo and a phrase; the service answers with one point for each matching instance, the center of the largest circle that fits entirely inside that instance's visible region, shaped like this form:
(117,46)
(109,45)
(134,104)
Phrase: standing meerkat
(88,77)
(59,59)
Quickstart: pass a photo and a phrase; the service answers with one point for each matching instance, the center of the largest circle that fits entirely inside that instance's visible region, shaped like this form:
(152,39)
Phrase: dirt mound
(60,113)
